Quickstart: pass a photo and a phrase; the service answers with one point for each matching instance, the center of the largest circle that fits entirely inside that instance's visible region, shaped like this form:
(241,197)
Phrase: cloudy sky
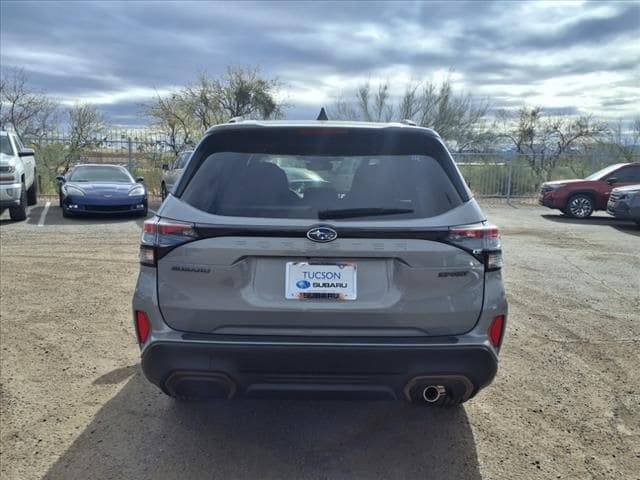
(566,56)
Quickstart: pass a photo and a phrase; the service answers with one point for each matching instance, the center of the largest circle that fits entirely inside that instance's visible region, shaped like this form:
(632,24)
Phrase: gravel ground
(565,403)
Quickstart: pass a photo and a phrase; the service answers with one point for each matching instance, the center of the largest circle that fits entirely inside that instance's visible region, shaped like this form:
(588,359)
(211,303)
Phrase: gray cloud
(98,50)
(589,31)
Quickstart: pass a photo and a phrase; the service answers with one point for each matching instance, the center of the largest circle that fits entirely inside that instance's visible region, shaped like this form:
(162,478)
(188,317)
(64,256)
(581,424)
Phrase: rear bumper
(361,370)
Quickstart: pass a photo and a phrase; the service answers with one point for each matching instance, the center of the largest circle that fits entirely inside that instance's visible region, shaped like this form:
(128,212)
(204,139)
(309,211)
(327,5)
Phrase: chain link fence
(143,152)
(501,175)
(513,176)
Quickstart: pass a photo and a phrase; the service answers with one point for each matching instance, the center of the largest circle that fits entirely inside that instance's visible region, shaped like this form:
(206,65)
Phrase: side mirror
(165,166)
(140,179)
(612,180)
(61,179)
(26,152)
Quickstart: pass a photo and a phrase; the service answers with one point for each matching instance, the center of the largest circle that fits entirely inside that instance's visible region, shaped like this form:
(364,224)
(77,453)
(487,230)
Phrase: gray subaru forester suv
(381,280)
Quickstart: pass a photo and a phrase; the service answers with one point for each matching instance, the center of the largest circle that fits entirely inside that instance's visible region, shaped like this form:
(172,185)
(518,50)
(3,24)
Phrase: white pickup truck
(18,182)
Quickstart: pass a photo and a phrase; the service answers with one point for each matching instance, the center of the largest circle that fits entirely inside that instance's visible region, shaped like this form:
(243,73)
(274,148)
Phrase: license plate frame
(323,281)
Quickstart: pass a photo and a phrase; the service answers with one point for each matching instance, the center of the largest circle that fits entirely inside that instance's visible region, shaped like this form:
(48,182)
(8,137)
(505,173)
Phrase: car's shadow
(141,434)
(33,214)
(54,216)
(625,226)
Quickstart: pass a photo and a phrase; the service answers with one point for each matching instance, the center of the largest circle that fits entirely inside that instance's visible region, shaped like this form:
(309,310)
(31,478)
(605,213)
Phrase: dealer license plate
(306,280)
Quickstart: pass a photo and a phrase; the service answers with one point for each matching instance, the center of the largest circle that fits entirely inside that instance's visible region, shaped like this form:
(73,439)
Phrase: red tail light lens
(174,228)
(143,327)
(483,241)
(495,331)
(159,236)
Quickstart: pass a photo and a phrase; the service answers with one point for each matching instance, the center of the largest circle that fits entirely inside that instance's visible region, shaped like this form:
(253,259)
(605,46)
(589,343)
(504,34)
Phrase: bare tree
(173,115)
(375,107)
(459,118)
(188,112)
(544,140)
(243,92)
(623,140)
(30,112)
(87,128)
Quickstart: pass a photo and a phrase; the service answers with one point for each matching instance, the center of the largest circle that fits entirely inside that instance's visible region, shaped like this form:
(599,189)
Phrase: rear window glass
(308,185)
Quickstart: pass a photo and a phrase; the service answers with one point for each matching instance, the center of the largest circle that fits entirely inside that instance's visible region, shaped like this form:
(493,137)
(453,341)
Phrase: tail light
(143,326)
(482,241)
(160,236)
(495,331)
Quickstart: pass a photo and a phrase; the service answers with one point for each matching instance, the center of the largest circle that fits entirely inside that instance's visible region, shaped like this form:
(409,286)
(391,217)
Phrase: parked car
(580,198)
(302,178)
(172,172)
(390,288)
(101,189)
(624,202)
(18,180)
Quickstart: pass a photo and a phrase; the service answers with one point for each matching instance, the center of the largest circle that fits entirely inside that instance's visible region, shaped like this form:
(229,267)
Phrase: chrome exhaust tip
(433,393)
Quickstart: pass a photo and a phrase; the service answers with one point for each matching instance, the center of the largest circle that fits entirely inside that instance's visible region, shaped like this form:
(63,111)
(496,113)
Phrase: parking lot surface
(565,403)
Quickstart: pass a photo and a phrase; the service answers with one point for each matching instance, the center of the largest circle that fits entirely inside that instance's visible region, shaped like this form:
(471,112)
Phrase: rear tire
(32,193)
(19,213)
(163,191)
(580,206)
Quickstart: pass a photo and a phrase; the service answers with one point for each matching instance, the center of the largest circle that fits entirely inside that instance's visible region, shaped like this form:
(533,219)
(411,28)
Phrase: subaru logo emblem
(302,284)
(322,234)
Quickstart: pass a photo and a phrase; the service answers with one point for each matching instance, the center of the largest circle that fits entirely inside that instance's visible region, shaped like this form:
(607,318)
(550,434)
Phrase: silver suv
(380,279)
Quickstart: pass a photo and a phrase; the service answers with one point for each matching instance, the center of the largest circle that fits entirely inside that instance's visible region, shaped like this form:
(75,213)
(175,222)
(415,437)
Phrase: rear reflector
(148,255)
(143,327)
(495,331)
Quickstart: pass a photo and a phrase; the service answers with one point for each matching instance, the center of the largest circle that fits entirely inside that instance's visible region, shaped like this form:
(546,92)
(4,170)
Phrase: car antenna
(322,115)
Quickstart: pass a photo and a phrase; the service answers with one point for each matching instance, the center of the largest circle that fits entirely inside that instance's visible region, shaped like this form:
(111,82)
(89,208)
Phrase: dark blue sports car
(101,189)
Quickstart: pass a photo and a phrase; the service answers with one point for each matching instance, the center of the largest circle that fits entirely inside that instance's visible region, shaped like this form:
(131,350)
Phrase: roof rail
(235,120)
(406,121)
(322,115)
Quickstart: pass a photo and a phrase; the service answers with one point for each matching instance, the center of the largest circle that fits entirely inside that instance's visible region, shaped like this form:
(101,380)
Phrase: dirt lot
(565,404)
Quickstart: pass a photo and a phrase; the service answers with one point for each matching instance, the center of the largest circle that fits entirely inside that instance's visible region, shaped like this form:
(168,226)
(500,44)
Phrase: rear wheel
(163,191)
(20,212)
(32,193)
(580,206)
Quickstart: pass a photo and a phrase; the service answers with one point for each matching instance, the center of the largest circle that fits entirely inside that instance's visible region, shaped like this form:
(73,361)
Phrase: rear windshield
(311,185)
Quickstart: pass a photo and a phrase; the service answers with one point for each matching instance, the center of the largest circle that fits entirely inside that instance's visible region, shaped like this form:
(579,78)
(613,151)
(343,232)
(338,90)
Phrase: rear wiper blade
(361,212)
